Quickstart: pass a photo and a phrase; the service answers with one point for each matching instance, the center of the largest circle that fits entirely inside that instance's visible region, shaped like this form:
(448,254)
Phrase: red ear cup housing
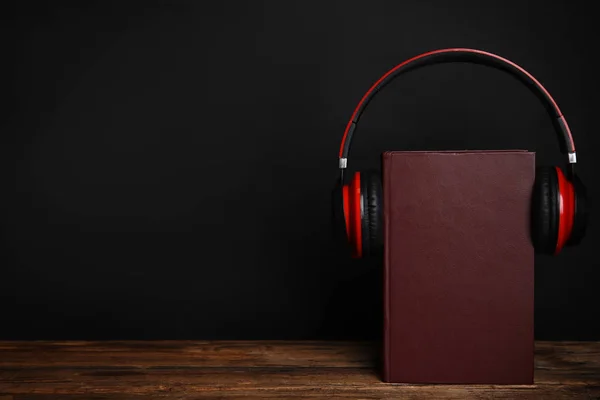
(566,210)
(352,203)
(580,220)
(340,232)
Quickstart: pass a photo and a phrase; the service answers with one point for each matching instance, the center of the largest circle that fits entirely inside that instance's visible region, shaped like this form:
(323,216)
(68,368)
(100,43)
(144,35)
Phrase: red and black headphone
(559,207)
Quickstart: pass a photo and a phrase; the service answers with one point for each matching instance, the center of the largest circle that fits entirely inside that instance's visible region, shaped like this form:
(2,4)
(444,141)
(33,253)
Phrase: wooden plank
(187,353)
(555,356)
(391,392)
(255,376)
(147,381)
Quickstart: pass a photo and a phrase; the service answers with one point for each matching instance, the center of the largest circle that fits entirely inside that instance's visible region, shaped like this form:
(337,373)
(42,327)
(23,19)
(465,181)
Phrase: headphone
(559,202)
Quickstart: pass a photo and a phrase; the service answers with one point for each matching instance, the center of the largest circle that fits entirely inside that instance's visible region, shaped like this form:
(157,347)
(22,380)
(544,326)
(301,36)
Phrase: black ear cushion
(544,210)
(372,222)
(581,217)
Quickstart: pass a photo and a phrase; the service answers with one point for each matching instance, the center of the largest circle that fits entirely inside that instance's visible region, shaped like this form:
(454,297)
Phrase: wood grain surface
(44,370)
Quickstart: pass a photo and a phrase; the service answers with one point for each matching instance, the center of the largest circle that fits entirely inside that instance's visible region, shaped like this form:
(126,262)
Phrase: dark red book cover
(459,267)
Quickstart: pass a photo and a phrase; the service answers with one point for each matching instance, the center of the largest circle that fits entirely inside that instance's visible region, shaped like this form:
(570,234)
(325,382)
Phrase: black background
(167,166)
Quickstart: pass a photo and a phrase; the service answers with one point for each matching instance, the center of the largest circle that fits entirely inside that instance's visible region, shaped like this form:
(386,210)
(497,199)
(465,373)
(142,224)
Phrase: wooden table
(259,370)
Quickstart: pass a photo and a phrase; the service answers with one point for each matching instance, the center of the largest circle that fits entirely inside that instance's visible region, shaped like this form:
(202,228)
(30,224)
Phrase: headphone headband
(567,145)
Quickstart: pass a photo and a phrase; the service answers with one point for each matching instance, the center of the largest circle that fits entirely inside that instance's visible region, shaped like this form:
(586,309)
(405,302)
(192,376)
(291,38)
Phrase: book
(458,267)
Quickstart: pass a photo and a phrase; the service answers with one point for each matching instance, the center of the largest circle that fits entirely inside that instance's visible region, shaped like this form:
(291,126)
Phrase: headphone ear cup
(372,223)
(339,227)
(581,216)
(545,211)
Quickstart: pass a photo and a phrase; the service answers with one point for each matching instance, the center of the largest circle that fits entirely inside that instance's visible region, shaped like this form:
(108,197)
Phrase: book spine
(387,159)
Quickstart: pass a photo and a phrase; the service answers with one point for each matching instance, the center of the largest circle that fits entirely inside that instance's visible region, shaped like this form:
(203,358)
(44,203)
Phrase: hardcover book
(459,267)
